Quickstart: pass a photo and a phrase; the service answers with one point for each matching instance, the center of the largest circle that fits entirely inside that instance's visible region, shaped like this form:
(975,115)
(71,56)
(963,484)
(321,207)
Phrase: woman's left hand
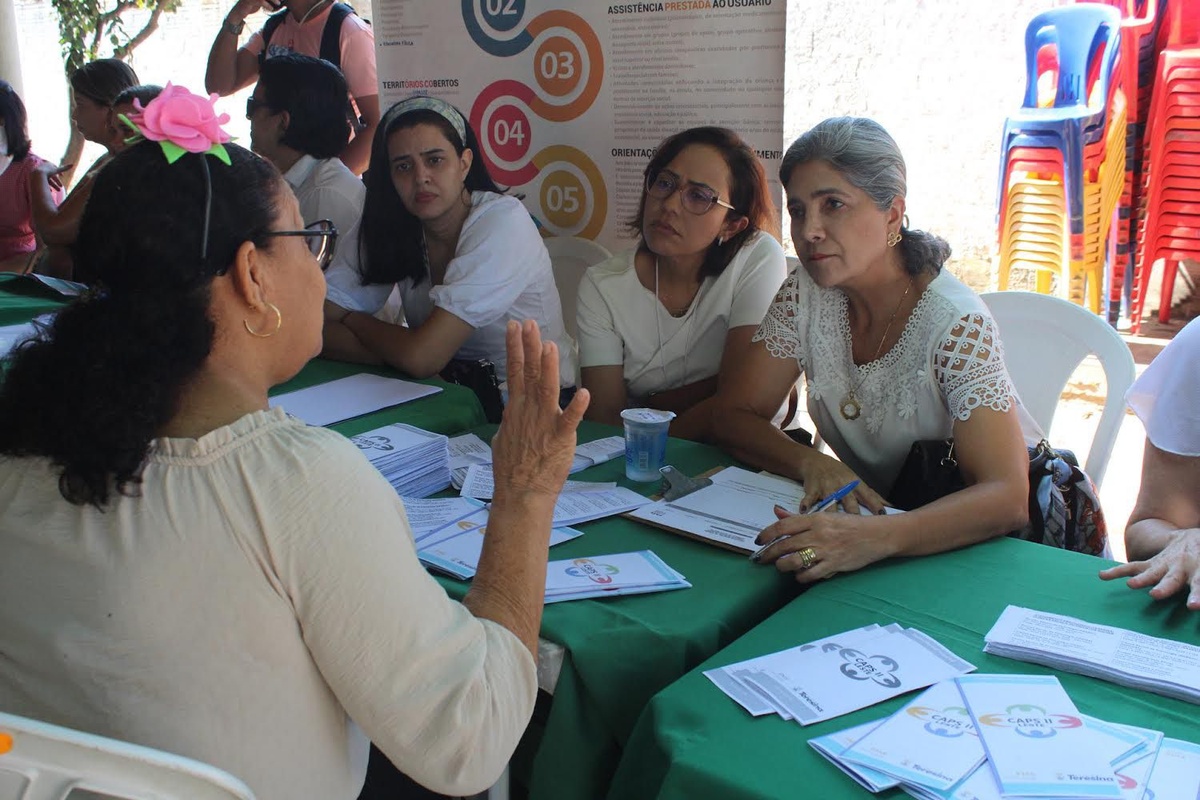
(1176,568)
(830,542)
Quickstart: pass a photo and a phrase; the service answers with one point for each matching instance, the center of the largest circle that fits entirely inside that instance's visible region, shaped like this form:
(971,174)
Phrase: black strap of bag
(331,34)
(480,377)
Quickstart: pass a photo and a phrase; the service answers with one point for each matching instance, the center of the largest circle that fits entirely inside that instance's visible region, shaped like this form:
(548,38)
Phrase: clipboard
(679,485)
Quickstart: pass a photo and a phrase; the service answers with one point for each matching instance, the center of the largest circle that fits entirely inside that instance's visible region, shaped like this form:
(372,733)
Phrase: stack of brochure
(466,450)
(984,737)
(641,572)
(598,451)
(573,508)
(838,674)
(469,449)
(449,532)
(415,462)
(480,483)
(1125,657)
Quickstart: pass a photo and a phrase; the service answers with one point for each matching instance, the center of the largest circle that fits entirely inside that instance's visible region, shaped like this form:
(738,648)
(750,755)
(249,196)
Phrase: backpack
(1063,508)
(331,34)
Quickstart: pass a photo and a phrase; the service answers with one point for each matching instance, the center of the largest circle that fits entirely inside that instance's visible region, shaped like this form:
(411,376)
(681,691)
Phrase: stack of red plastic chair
(1169,226)
(1063,165)
(1138,59)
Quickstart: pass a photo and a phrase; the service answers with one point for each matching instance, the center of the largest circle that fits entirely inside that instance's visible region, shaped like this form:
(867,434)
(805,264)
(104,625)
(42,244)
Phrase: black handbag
(930,472)
(480,377)
(1064,509)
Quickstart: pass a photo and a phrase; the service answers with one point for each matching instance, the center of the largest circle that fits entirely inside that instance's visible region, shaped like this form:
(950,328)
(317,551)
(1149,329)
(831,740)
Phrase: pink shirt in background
(357,45)
(16,213)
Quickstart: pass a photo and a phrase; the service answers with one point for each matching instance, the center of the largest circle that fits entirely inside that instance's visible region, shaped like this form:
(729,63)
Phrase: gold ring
(808,556)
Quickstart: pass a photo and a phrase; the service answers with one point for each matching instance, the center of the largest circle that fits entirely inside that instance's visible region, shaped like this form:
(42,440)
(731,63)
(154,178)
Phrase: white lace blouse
(947,362)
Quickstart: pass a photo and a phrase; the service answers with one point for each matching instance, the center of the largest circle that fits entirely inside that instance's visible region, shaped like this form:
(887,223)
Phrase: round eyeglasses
(695,198)
(321,238)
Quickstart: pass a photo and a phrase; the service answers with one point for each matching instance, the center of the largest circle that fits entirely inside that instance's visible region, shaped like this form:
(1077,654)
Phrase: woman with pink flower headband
(188,569)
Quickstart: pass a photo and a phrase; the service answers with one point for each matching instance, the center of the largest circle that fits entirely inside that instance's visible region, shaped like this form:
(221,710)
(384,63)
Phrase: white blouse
(621,322)
(500,272)
(258,602)
(1166,398)
(948,362)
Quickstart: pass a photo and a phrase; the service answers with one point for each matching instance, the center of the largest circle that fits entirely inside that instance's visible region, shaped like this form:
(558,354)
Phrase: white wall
(941,76)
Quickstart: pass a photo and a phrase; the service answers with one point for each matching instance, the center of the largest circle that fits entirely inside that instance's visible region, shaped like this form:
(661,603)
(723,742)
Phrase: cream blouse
(257,605)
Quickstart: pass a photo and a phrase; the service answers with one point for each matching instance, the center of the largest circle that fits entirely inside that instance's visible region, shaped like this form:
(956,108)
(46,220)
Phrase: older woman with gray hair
(893,348)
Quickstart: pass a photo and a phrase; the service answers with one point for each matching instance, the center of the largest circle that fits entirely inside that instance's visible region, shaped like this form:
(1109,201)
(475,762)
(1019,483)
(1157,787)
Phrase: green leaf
(172,151)
(220,153)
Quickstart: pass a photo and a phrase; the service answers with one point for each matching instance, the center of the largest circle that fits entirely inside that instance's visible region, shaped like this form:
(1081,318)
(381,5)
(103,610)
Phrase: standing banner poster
(570,99)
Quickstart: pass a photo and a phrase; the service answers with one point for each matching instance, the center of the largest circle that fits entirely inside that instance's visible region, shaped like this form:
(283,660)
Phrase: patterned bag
(1064,510)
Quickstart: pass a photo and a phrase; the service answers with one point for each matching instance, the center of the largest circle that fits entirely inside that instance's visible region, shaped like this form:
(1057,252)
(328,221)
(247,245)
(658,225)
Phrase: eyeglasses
(253,104)
(695,198)
(321,237)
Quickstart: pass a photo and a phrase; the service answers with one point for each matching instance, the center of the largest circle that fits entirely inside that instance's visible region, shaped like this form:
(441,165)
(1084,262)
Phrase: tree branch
(150,27)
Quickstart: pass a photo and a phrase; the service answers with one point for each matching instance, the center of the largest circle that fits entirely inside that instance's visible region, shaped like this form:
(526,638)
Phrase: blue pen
(821,505)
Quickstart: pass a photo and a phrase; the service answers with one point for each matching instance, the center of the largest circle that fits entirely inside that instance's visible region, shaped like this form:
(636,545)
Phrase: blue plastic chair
(1077,32)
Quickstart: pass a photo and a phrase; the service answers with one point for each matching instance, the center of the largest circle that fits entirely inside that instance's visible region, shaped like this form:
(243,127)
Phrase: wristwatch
(230,28)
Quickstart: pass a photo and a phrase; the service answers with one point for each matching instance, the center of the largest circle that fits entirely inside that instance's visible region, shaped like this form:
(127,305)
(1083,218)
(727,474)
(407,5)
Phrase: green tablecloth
(452,410)
(23,298)
(621,651)
(693,742)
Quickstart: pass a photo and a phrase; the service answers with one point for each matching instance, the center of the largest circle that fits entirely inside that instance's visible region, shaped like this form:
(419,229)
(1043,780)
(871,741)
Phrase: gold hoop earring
(278,324)
(893,238)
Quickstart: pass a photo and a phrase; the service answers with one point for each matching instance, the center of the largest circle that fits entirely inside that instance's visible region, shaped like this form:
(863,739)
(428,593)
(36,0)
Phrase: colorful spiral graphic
(568,70)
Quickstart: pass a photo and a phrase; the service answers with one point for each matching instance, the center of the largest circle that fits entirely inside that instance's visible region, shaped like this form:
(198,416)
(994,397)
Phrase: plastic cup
(645,442)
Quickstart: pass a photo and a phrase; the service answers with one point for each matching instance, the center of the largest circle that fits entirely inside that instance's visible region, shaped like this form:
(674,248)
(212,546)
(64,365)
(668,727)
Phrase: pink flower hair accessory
(182,122)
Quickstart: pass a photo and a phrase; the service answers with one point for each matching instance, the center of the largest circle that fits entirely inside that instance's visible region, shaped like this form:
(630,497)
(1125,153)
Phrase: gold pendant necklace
(850,406)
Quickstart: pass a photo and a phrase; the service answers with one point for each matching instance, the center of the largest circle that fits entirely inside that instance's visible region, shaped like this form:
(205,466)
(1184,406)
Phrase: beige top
(261,593)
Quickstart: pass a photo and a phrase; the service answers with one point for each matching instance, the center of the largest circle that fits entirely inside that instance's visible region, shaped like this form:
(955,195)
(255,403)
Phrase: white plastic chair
(570,257)
(53,761)
(1045,338)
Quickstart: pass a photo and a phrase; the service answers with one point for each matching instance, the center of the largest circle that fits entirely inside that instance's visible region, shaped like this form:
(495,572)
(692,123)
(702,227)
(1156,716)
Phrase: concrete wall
(941,76)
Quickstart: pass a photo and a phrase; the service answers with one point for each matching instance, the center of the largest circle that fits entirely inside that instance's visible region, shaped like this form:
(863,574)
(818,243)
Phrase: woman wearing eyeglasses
(188,569)
(466,258)
(657,324)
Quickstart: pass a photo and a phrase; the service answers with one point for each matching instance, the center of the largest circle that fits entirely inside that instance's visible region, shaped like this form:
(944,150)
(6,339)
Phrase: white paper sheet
(833,745)
(458,554)
(598,451)
(835,679)
(616,574)
(730,678)
(346,398)
(576,507)
(1177,771)
(469,449)
(931,741)
(1036,742)
(1164,666)
(428,516)
(479,482)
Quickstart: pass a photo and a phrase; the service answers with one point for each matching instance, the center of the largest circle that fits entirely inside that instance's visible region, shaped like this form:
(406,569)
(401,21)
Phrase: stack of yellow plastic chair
(1063,164)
